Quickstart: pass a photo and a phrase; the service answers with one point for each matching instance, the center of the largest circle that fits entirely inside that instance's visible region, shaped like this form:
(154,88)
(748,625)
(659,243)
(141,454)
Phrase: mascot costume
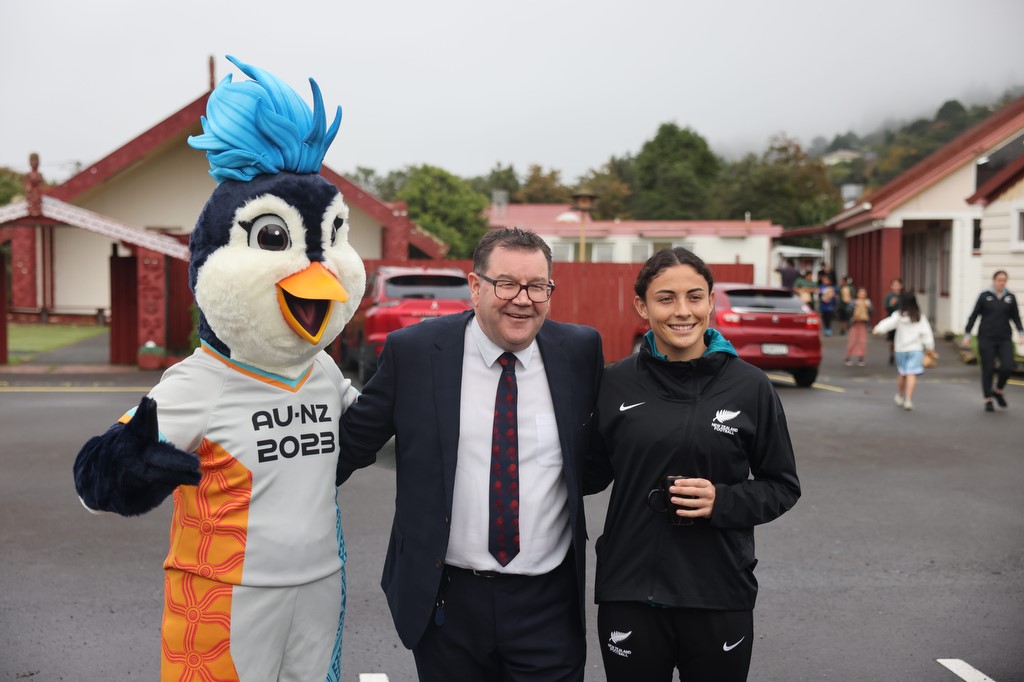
(244,431)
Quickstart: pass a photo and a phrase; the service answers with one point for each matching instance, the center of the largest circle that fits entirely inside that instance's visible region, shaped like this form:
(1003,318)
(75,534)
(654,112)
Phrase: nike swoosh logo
(727,647)
(623,407)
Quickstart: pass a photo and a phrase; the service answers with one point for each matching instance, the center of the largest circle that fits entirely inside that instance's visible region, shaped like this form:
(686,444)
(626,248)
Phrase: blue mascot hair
(263,127)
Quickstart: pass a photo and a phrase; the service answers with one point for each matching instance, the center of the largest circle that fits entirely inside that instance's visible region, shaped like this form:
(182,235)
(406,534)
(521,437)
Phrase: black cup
(660,500)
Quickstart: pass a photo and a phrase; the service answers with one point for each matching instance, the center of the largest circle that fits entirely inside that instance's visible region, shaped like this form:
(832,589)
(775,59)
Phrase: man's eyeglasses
(507,290)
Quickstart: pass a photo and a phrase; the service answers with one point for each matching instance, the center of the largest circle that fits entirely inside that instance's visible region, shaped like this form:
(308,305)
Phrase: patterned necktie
(503,530)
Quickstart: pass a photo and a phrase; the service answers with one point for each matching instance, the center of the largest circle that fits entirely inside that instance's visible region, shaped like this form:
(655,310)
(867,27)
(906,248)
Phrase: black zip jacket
(716,417)
(996,312)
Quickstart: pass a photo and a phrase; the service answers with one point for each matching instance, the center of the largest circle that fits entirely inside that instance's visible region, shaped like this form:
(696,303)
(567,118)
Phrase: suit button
(446,520)
(438,564)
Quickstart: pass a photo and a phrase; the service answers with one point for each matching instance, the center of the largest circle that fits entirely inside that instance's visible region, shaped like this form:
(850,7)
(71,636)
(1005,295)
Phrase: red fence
(596,294)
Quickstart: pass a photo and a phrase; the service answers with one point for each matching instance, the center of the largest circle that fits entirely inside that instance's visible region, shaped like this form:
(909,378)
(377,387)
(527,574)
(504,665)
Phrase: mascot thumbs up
(243,433)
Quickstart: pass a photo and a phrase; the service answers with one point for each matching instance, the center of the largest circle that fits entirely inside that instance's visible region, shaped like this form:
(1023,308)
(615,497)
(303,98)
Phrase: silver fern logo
(722,416)
(614,639)
(617,636)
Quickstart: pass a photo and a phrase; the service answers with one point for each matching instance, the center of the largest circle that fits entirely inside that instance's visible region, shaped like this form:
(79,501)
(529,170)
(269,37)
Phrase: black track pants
(989,350)
(643,642)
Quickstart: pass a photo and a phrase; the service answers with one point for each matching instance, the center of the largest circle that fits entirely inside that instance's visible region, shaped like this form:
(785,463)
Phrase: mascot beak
(307,298)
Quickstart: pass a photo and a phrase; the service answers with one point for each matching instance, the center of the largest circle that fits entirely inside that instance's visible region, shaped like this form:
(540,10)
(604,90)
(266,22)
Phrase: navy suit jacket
(415,396)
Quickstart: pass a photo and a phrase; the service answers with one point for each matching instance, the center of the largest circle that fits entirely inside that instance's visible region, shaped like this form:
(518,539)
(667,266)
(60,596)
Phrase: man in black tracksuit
(997,308)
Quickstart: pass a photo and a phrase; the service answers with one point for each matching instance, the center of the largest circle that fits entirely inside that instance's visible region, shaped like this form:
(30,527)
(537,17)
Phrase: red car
(769,327)
(397,297)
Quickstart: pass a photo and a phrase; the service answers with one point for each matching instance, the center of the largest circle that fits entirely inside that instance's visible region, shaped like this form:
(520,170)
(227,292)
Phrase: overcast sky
(466,84)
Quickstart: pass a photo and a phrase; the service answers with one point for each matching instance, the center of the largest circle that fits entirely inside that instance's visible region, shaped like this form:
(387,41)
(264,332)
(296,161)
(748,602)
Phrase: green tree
(784,185)
(612,193)
(385,188)
(11,185)
(542,187)
(502,178)
(446,206)
(675,174)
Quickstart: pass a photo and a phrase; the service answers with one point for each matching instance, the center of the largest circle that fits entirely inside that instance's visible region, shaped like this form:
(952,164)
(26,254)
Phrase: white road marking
(373,677)
(785,378)
(964,671)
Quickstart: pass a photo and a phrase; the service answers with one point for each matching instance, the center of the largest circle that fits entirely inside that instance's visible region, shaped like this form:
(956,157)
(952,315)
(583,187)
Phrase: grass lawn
(25,341)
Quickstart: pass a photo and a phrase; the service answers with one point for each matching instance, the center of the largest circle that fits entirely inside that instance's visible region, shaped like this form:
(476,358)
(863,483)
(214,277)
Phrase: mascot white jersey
(244,432)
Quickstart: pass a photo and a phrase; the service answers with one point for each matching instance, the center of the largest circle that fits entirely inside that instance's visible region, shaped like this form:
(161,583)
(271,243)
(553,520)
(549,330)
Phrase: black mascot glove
(128,470)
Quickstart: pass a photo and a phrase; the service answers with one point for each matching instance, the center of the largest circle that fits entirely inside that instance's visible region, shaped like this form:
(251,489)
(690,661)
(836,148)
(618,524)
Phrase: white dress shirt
(544,535)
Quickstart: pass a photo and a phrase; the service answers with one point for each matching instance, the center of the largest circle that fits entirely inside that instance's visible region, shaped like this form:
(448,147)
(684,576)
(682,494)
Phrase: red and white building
(566,229)
(944,225)
(111,242)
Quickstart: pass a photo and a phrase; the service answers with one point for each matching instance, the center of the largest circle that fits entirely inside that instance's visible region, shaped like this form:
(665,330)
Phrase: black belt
(490,575)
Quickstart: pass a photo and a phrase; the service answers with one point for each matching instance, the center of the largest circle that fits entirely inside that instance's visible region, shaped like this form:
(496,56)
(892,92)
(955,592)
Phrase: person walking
(485,571)
(891,303)
(860,315)
(997,308)
(696,442)
(912,338)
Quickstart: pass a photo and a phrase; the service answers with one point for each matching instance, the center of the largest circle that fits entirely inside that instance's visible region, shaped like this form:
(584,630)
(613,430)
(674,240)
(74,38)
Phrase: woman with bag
(913,337)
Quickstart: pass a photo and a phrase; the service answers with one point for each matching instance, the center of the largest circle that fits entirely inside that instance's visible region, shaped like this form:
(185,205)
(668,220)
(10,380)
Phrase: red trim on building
(181,121)
(998,183)
(967,146)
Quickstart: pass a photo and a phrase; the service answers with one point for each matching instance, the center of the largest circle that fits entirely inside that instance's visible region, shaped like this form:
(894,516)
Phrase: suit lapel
(556,367)
(446,365)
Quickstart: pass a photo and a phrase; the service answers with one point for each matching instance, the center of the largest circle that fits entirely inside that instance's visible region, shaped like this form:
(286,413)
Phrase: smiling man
(485,569)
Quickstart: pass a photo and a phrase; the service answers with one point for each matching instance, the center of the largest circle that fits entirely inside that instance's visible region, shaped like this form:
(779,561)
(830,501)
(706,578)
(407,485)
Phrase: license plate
(774,349)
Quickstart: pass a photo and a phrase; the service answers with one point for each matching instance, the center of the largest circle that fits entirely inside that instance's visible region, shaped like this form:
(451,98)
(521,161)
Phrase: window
(639,252)
(564,252)
(976,240)
(1017,229)
(601,253)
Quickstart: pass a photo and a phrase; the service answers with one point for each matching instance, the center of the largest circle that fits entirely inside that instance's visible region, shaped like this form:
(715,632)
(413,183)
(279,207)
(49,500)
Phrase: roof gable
(186,120)
(998,183)
(966,147)
(55,211)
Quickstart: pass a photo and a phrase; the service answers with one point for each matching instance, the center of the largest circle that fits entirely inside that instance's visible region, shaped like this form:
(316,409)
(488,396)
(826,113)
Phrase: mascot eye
(338,223)
(269,233)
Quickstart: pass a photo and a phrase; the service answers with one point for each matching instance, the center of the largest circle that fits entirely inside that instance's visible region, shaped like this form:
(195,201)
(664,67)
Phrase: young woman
(860,315)
(912,338)
(680,428)
(997,308)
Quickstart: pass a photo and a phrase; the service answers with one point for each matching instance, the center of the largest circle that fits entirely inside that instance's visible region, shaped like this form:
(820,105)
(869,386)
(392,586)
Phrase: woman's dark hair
(668,258)
(908,305)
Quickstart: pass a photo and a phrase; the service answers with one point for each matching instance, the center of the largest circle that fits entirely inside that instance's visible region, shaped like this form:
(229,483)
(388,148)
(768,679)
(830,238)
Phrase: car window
(427,286)
(776,301)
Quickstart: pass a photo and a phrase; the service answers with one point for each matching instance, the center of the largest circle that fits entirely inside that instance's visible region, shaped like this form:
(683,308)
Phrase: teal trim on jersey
(715,342)
(131,413)
(334,671)
(294,383)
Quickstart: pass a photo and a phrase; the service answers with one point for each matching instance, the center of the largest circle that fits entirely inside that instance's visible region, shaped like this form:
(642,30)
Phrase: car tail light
(728,317)
(813,320)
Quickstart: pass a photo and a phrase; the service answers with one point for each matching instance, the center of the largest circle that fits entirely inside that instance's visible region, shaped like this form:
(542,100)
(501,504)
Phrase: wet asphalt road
(906,547)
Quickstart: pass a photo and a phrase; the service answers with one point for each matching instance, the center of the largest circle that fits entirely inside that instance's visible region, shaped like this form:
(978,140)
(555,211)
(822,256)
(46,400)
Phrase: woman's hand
(695,497)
